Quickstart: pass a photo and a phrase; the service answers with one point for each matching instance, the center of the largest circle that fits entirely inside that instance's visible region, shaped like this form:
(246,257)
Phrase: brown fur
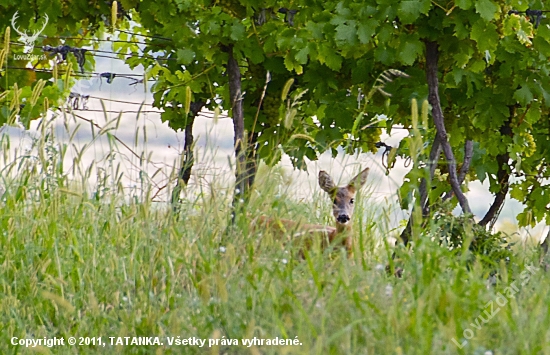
(343,199)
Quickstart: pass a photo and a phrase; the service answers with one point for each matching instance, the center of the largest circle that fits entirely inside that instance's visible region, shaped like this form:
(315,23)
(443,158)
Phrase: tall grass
(75,263)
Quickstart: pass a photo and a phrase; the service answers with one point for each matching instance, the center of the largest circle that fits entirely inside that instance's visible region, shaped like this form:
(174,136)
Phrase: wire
(116,112)
(93,39)
(156,164)
(78,74)
(148,36)
(201,114)
(131,76)
(535,16)
(119,101)
(129,55)
(110,40)
(101,128)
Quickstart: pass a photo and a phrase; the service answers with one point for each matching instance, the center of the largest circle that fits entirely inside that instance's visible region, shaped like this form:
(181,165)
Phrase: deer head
(342,197)
(27,39)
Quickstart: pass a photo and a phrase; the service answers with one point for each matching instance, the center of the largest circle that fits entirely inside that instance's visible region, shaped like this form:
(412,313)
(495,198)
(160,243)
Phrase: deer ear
(359,180)
(326,182)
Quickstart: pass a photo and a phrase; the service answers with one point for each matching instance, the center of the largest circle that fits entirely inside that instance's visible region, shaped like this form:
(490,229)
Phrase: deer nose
(342,218)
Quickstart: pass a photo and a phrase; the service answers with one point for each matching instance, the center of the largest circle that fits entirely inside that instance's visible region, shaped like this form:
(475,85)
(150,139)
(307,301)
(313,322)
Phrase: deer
(28,39)
(343,199)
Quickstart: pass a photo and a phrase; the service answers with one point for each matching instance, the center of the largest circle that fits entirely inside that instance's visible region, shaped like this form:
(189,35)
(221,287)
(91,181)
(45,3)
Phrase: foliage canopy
(318,75)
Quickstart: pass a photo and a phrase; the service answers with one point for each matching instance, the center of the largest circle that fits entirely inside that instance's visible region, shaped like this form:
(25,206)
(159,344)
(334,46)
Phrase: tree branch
(185,172)
(435,152)
(432,56)
(503,177)
(188,158)
(468,155)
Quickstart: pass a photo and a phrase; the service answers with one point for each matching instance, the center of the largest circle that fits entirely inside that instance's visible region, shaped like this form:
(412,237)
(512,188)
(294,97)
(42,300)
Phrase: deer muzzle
(343,218)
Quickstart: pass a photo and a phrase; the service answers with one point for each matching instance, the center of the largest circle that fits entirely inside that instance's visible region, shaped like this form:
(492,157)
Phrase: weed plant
(91,262)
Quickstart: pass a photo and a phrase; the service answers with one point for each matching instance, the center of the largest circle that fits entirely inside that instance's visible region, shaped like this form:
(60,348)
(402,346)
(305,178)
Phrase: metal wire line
(118,75)
(93,51)
(93,39)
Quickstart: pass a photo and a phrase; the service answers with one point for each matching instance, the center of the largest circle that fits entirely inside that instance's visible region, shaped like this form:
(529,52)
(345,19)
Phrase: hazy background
(146,136)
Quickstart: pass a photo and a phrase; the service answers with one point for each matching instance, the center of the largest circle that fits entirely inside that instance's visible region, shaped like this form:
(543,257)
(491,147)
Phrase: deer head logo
(27,39)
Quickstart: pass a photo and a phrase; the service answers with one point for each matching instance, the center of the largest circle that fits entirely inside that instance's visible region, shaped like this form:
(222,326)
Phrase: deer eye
(351,201)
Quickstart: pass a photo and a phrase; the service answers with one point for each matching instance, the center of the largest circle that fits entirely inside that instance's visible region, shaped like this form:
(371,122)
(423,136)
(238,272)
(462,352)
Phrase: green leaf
(464,4)
(493,114)
(285,38)
(185,56)
(237,31)
(525,219)
(478,66)
(462,30)
(542,45)
(302,55)
(533,115)
(524,32)
(334,61)
(487,9)
(385,55)
(485,35)
(254,52)
(410,49)
(338,20)
(523,95)
(346,34)
(516,192)
(270,44)
(291,64)
(330,58)
(545,94)
(463,56)
(409,11)
(366,29)
(213,27)
(511,22)
(315,29)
